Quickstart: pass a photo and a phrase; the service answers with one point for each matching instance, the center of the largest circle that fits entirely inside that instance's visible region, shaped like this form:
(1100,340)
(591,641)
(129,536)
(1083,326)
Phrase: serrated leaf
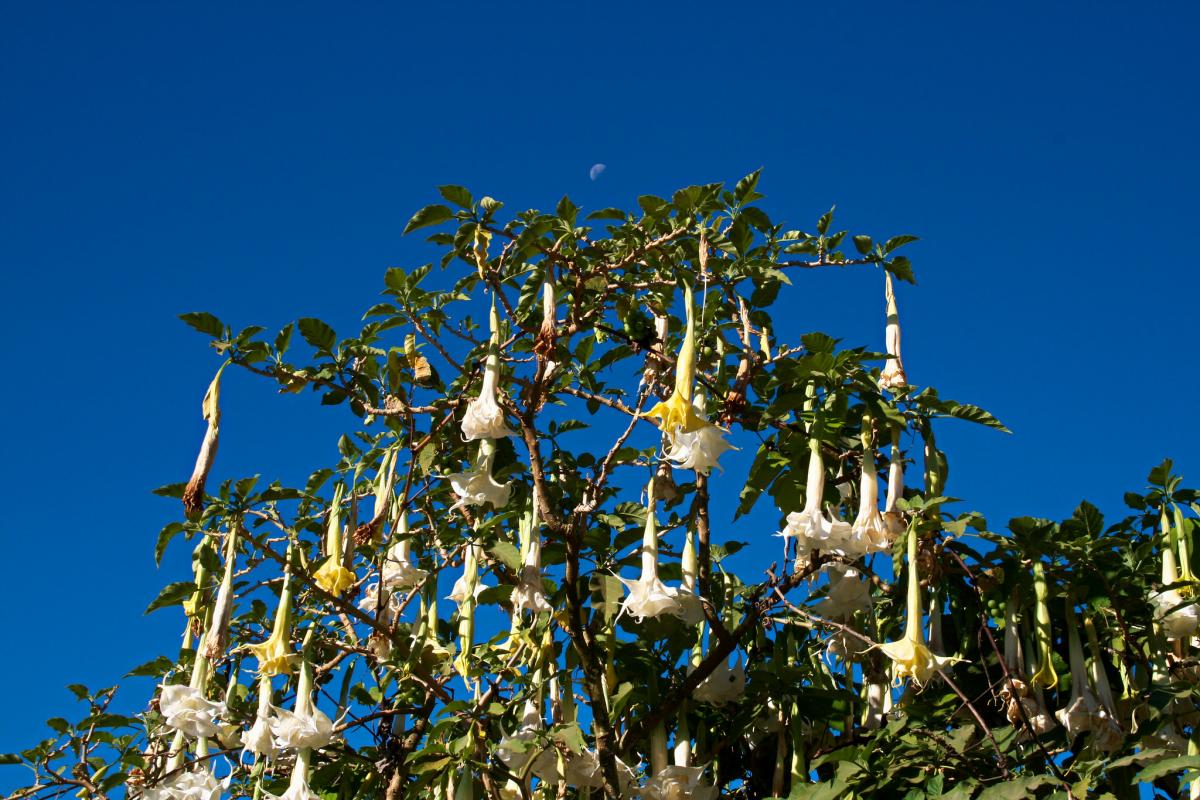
(318,334)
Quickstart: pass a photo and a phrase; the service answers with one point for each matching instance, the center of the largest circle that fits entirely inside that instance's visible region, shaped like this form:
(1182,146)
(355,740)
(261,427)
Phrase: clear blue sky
(260,161)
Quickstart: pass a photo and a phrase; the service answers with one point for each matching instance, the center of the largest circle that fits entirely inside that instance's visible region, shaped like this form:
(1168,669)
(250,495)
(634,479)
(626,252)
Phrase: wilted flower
(675,414)
(332,576)
(811,528)
(216,638)
(910,656)
(187,711)
(724,684)
(193,493)
(369,531)
(1020,701)
(188,784)
(476,486)
(893,376)
(679,783)
(311,728)
(484,419)
(399,572)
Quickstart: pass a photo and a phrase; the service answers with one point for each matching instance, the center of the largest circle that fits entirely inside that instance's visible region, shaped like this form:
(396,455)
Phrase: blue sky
(260,162)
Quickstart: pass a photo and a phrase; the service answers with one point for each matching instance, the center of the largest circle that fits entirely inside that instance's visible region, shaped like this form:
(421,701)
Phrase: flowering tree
(507,585)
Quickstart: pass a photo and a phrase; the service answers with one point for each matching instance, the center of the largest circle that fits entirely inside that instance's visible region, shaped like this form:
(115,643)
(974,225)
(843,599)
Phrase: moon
(596,170)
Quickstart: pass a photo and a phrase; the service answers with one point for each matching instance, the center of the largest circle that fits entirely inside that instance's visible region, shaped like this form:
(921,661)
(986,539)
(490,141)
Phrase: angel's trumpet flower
(892,519)
(217,638)
(484,418)
(399,572)
(275,656)
(528,594)
(892,377)
(370,531)
(911,657)
(1045,676)
(868,534)
(676,414)
(193,494)
(1179,618)
(812,528)
(476,486)
(699,449)
(648,596)
(332,576)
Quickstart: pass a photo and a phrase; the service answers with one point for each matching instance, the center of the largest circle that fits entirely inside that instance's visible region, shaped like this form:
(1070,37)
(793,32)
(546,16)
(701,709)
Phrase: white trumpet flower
(679,783)
(811,528)
(723,685)
(1179,619)
(528,594)
(869,533)
(190,784)
(399,572)
(310,729)
(187,711)
(476,486)
(258,739)
(892,377)
(484,418)
(847,593)
(698,449)
(648,596)
(519,748)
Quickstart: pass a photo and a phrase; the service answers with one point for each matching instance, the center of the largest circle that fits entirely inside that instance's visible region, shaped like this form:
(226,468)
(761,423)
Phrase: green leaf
(1167,766)
(284,340)
(823,222)
(204,322)
(9,758)
(977,415)
(902,269)
(1161,474)
(897,242)
(169,532)
(173,594)
(318,334)
(744,192)
(80,691)
(863,244)
(155,668)
(607,213)
(429,215)
(171,490)
(506,554)
(457,195)
(59,724)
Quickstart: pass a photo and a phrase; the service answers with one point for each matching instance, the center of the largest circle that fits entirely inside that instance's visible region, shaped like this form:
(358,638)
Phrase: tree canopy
(507,584)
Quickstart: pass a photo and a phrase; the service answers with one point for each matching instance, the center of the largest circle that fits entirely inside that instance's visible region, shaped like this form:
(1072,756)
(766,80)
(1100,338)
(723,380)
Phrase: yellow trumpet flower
(676,413)
(332,576)
(911,655)
(275,656)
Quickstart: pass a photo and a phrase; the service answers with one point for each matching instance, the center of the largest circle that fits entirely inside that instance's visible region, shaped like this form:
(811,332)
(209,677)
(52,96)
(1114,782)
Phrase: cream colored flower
(723,685)
(186,710)
(811,528)
(679,783)
(699,449)
(869,534)
(648,596)
(298,730)
(476,486)
(911,657)
(258,739)
(1179,618)
(892,377)
(190,784)
(399,572)
(518,749)
(297,790)
(847,593)
(484,418)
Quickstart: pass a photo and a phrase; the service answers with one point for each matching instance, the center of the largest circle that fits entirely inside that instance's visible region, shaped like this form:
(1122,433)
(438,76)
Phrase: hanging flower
(187,711)
(216,638)
(274,655)
(676,412)
(332,576)
(723,685)
(189,784)
(868,534)
(648,596)
(297,790)
(910,656)
(519,748)
(484,418)
(476,486)
(892,377)
(699,449)
(811,528)
(258,739)
(1178,616)
(1045,676)
(846,594)
(893,521)
(399,572)
(528,594)
(310,728)
(370,531)
(679,783)
(193,493)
